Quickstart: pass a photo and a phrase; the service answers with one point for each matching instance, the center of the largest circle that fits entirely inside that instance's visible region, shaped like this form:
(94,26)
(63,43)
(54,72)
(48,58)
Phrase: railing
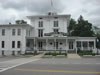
(56,51)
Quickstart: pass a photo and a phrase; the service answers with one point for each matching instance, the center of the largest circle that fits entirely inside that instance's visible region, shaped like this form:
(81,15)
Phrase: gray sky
(11,10)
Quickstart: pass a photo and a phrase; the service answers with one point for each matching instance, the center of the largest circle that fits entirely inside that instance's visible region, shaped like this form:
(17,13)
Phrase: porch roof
(60,37)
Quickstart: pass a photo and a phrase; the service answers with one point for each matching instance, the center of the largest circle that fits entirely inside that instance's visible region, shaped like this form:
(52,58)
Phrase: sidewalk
(74,56)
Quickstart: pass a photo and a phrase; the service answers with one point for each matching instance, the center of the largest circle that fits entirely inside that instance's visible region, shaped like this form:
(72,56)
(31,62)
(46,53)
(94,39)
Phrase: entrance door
(71,45)
(56,45)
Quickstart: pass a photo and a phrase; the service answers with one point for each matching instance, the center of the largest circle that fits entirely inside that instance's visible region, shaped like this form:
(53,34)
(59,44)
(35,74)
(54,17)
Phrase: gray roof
(12,25)
(36,16)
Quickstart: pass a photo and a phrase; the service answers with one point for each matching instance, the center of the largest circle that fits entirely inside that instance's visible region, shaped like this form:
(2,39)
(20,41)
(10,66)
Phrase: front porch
(59,44)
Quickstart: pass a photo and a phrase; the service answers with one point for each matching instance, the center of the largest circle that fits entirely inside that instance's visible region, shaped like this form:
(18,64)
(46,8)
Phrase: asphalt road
(58,66)
(10,57)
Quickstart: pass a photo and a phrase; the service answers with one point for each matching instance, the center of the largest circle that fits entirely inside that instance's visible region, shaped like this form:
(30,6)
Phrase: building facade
(46,32)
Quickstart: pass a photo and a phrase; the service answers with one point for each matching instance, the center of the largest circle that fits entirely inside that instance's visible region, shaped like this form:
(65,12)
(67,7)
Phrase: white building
(46,32)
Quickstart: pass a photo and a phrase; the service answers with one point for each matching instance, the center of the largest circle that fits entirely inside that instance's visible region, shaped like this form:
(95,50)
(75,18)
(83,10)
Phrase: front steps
(74,56)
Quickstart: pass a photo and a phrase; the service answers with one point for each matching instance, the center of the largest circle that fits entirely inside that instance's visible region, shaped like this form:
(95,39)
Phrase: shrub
(93,54)
(54,54)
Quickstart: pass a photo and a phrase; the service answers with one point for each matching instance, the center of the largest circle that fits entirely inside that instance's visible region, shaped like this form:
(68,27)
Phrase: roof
(36,16)
(12,25)
(48,37)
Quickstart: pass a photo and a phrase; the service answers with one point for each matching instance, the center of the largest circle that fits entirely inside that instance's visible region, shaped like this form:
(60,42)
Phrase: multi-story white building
(46,32)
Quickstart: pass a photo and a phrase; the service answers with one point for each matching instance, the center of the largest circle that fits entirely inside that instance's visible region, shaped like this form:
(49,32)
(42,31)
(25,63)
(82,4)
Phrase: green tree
(81,28)
(71,26)
(21,22)
(98,40)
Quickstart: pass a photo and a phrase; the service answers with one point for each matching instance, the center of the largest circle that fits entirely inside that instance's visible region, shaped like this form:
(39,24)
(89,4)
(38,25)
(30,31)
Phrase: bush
(81,54)
(55,54)
(93,54)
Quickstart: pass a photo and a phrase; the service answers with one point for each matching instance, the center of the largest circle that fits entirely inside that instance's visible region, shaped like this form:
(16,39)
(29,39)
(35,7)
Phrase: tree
(80,28)
(21,22)
(97,34)
(98,40)
(71,26)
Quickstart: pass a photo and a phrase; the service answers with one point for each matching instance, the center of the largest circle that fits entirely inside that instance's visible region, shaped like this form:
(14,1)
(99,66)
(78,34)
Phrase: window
(85,44)
(13,31)
(19,32)
(91,44)
(3,32)
(3,44)
(78,43)
(13,44)
(55,23)
(56,30)
(40,45)
(18,44)
(40,33)
(40,23)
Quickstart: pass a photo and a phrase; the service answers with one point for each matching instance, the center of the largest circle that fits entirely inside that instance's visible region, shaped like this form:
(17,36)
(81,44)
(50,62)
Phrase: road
(57,66)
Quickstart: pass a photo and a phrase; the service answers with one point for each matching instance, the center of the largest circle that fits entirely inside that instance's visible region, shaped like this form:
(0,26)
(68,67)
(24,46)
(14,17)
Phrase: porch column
(34,44)
(55,43)
(46,44)
(88,45)
(81,45)
(94,45)
(75,47)
(66,45)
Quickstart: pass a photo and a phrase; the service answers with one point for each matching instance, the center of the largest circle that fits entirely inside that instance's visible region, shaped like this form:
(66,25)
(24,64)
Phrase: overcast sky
(11,10)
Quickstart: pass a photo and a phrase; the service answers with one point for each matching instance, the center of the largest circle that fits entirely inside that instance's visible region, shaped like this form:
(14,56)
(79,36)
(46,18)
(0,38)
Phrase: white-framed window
(18,44)
(13,32)
(19,32)
(40,33)
(40,23)
(55,23)
(3,32)
(13,44)
(2,44)
(85,44)
(78,43)
(56,30)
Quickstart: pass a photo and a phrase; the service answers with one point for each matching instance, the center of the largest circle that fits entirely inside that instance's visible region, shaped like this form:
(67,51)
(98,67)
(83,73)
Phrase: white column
(95,45)
(46,44)
(75,47)
(66,44)
(34,44)
(88,45)
(82,45)
(55,44)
